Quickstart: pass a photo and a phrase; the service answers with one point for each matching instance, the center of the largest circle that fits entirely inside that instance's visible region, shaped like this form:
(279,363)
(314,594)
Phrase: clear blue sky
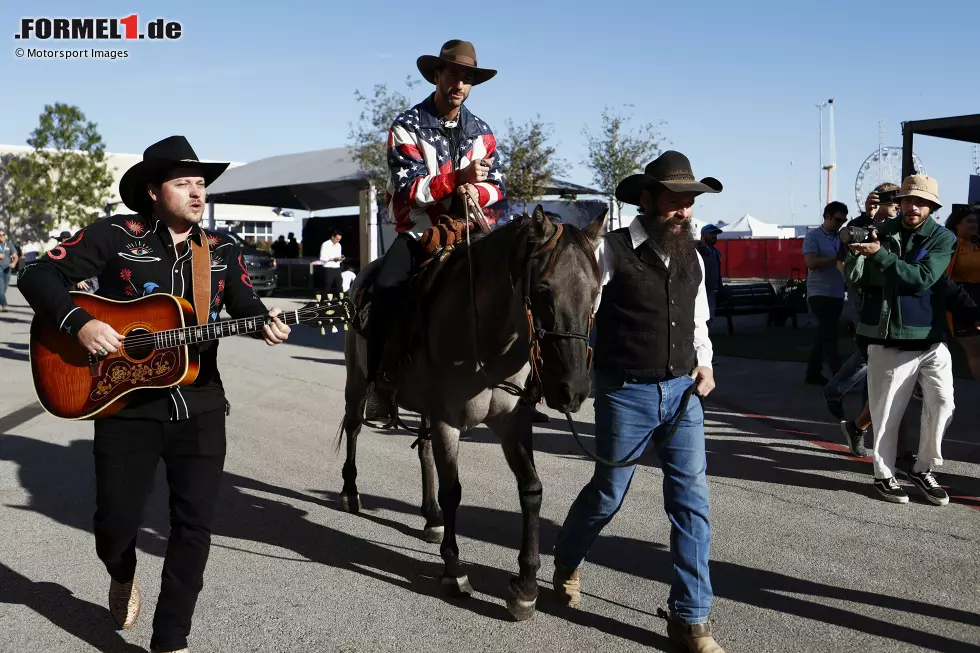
(735,82)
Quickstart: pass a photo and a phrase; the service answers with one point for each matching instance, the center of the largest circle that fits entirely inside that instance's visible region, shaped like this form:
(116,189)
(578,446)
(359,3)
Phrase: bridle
(532,390)
(536,333)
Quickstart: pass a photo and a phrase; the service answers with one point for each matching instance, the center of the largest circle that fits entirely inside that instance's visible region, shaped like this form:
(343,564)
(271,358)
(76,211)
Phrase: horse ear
(597,228)
(539,222)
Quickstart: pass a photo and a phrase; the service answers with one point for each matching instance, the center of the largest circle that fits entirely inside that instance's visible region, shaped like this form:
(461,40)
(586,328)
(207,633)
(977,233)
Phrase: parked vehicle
(261,266)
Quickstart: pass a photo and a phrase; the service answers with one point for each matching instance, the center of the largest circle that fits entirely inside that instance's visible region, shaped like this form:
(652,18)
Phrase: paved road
(804,558)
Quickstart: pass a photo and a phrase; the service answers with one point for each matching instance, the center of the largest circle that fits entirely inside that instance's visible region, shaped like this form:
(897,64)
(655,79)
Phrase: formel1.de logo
(97,29)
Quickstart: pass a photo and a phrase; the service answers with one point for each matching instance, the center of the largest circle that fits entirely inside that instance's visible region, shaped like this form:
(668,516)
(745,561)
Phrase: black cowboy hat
(460,54)
(670,170)
(171,152)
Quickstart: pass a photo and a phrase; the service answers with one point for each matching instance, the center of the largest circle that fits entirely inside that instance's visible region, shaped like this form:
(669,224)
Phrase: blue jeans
(4,284)
(625,413)
(854,370)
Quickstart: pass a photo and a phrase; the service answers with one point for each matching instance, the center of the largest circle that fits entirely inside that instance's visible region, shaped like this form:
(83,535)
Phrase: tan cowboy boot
(694,638)
(124,603)
(568,586)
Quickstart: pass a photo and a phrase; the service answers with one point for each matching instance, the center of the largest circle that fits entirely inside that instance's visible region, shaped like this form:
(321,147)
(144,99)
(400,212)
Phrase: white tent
(749,227)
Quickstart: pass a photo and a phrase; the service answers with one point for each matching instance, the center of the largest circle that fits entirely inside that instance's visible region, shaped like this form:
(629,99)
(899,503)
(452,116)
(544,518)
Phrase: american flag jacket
(423,157)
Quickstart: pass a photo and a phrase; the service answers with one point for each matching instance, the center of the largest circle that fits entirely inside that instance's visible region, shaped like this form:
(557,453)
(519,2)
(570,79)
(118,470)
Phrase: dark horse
(533,283)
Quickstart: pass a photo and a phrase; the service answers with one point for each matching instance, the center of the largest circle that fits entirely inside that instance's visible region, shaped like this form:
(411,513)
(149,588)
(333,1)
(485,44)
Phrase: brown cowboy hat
(460,54)
(670,170)
(171,152)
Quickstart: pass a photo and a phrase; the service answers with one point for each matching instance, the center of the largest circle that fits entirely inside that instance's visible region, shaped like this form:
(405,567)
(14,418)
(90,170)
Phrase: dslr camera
(856,235)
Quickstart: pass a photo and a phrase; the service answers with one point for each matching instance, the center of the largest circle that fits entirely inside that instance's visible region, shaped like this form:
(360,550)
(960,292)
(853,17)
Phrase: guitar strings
(149,338)
(153,337)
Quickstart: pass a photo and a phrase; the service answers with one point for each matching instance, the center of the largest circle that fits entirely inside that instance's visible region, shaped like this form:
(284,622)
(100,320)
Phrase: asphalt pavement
(804,557)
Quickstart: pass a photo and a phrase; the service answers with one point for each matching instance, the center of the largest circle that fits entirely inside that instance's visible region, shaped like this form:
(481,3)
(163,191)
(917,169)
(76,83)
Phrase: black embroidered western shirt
(133,256)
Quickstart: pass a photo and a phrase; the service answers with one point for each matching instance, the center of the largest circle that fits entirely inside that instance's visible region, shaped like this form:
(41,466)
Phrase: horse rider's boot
(568,586)
(695,638)
(124,603)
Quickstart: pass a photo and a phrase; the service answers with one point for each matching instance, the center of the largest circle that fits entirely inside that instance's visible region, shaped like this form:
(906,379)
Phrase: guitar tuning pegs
(323,331)
(345,327)
(318,297)
(333,329)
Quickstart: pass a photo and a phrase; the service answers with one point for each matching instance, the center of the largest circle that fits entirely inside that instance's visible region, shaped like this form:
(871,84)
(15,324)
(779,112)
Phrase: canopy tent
(749,227)
(958,128)
(314,181)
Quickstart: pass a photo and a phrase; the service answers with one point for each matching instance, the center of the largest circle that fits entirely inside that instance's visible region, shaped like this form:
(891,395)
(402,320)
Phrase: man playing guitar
(132,256)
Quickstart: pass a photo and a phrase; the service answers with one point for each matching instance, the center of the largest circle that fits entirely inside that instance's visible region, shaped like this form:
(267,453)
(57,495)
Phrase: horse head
(561,286)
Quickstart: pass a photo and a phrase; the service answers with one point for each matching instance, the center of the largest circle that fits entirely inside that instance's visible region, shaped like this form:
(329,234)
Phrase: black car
(261,266)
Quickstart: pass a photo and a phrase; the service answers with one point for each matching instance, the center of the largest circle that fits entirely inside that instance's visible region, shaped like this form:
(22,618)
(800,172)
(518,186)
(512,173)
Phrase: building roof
(314,181)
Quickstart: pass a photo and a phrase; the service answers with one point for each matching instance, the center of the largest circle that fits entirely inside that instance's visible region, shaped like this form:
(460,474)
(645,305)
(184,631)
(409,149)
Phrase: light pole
(820,172)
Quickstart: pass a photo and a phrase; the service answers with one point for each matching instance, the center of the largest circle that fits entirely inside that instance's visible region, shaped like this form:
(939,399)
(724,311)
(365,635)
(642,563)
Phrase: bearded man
(652,345)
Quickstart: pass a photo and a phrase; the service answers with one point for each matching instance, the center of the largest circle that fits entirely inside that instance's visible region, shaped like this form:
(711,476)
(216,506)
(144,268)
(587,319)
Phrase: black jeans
(126,456)
(333,281)
(390,295)
(828,311)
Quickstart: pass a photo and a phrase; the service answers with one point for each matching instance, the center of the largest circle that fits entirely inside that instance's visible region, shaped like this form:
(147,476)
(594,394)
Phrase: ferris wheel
(882,165)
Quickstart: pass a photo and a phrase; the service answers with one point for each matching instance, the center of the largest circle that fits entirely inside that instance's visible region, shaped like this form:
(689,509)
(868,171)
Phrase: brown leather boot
(568,586)
(695,638)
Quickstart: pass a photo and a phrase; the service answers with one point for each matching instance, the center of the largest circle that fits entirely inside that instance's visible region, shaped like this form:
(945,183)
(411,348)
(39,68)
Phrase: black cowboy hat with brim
(670,170)
(456,53)
(172,152)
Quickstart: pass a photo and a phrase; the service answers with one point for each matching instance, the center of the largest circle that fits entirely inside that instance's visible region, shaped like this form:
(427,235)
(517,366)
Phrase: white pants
(892,375)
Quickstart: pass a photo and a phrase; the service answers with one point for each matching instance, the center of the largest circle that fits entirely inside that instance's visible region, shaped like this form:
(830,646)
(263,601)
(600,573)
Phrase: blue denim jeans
(625,414)
(4,284)
(854,371)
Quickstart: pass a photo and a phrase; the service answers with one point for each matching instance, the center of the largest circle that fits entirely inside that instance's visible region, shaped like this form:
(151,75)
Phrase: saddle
(437,243)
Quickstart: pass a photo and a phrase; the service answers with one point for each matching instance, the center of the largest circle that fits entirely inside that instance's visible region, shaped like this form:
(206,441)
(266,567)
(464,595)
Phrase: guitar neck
(214,330)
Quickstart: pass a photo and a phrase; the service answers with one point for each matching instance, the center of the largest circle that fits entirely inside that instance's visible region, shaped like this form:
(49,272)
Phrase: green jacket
(899,301)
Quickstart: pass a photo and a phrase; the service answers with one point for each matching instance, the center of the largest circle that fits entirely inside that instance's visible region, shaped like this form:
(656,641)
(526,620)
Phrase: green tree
(529,160)
(65,179)
(617,151)
(369,136)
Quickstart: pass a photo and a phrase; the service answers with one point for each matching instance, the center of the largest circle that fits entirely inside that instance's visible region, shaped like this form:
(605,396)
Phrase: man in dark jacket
(712,266)
(903,319)
(652,352)
(133,256)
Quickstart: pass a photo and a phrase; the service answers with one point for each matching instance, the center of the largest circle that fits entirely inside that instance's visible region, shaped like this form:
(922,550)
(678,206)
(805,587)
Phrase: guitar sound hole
(138,344)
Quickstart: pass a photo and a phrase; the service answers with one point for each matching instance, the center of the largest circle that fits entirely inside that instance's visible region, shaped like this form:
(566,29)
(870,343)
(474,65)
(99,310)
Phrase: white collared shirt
(329,250)
(638,236)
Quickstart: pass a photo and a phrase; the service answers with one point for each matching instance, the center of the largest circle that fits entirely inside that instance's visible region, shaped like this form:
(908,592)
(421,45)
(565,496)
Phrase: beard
(677,244)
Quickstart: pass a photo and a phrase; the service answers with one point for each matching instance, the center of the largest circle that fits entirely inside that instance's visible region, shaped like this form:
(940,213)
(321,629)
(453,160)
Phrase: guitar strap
(201,267)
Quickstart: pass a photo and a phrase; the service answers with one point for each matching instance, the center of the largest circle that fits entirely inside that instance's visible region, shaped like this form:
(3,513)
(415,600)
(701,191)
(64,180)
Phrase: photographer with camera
(882,204)
(824,290)
(903,318)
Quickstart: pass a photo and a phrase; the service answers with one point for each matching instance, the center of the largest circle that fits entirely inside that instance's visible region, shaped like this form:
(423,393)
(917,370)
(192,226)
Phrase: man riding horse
(440,157)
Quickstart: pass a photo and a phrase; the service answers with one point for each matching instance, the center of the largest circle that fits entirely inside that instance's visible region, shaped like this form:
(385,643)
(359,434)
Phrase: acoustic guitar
(158,352)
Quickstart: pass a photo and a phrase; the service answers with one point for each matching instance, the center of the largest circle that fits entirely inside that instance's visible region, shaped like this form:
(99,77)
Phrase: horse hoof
(433,534)
(351,504)
(458,587)
(519,608)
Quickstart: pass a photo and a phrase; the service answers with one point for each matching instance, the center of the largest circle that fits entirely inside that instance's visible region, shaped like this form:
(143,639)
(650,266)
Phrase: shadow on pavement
(757,587)
(53,474)
(88,622)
